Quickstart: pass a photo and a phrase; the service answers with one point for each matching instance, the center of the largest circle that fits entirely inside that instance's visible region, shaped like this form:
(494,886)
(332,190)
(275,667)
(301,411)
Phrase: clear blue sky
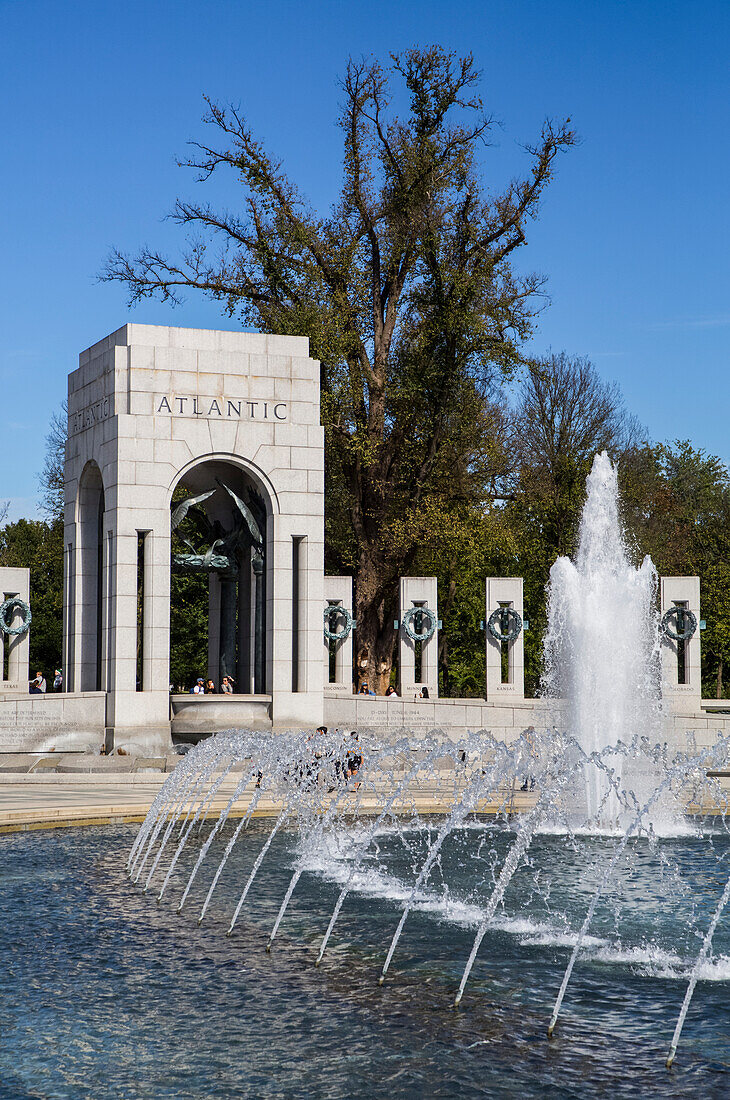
(100,98)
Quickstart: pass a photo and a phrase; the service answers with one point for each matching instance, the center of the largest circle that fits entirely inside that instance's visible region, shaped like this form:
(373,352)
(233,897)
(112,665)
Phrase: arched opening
(90,579)
(218,594)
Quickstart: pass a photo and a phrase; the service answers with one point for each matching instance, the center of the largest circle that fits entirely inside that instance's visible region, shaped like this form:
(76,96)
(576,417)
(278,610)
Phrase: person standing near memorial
(354,759)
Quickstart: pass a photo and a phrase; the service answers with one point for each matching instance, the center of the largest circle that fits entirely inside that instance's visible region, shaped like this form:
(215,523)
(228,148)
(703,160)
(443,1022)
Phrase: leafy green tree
(405,289)
(473,543)
(677,503)
(38,546)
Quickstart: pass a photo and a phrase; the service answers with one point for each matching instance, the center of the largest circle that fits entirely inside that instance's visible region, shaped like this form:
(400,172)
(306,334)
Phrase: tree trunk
(376,608)
(718,692)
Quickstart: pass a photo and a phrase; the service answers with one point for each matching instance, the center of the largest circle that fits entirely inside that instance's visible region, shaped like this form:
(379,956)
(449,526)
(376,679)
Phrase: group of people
(390,691)
(346,765)
(38,686)
(207,687)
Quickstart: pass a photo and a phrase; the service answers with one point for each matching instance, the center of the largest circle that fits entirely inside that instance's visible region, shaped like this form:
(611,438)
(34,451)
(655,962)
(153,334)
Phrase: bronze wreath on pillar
(8,609)
(504,624)
(684,620)
(330,612)
(416,616)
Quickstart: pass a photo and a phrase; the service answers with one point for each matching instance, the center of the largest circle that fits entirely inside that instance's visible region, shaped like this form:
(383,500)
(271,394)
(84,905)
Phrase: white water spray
(602,642)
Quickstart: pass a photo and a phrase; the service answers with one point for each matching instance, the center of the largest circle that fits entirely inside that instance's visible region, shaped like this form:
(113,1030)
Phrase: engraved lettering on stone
(90,415)
(233,408)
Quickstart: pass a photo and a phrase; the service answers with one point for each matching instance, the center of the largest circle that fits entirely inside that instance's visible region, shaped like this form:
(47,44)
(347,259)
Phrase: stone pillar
(214,627)
(157,608)
(418,592)
(16,582)
(682,657)
(338,591)
(138,720)
(249,689)
(107,612)
(296,636)
(69,609)
(504,592)
(228,609)
(259,604)
(242,685)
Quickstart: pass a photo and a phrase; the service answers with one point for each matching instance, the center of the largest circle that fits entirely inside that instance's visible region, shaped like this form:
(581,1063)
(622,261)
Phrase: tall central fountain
(602,642)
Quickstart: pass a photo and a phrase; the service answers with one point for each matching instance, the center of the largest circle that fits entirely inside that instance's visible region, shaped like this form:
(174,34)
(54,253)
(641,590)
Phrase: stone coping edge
(84,779)
(106,816)
(135,816)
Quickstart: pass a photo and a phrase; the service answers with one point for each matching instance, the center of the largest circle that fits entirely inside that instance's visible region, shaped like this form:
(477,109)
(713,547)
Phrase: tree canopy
(405,288)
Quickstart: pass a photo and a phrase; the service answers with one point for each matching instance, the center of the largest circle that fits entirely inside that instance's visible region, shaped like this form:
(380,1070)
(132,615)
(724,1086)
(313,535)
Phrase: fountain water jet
(602,642)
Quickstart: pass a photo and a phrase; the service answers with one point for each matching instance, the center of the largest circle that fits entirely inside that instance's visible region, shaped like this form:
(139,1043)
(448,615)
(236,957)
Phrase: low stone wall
(454,716)
(693,729)
(196,714)
(63,722)
(685,726)
(75,722)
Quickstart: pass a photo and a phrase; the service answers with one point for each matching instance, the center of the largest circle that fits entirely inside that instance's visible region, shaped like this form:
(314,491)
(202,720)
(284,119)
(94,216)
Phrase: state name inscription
(220,407)
(92,414)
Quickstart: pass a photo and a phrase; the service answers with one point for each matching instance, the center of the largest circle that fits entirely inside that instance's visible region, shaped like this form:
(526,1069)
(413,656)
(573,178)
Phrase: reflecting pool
(107,994)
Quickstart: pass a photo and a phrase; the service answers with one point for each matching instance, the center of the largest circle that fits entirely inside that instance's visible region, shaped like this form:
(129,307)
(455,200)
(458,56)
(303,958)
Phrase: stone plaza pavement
(56,801)
(36,801)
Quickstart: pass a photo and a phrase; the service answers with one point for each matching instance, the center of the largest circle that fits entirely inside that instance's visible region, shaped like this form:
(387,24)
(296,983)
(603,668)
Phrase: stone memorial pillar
(418,661)
(15,648)
(505,658)
(338,654)
(681,657)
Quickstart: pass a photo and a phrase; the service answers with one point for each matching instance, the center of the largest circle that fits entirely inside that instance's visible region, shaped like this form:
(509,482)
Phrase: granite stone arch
(239,619)
(150,406)
(254,472)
